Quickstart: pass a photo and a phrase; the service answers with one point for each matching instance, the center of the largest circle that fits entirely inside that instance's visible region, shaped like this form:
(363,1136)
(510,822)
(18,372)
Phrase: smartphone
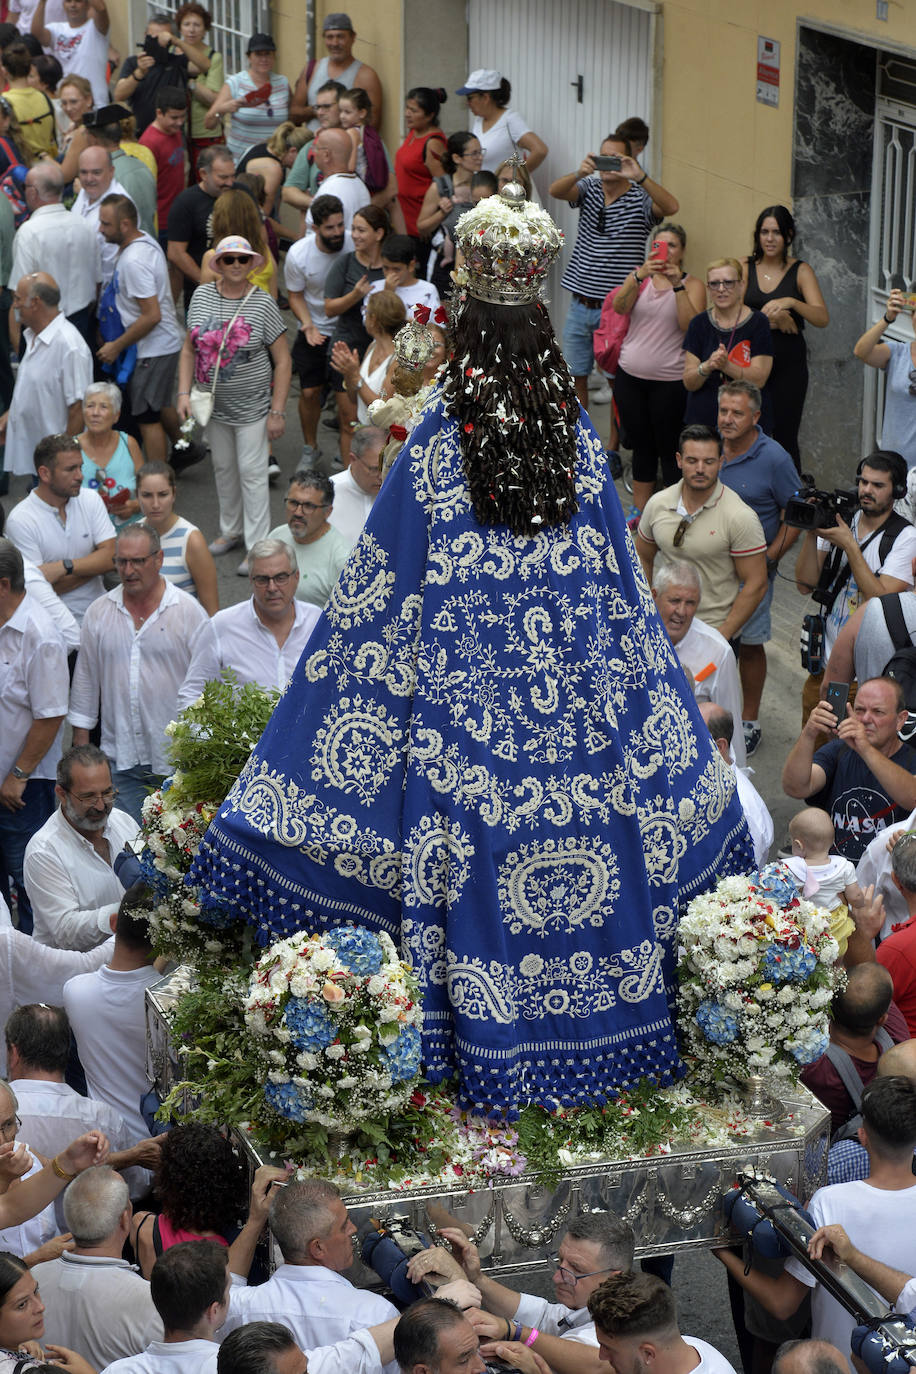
(837,697)
(607,164)
(660,250)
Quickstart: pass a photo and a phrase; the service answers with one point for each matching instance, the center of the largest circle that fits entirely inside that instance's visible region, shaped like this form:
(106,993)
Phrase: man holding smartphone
(618,204)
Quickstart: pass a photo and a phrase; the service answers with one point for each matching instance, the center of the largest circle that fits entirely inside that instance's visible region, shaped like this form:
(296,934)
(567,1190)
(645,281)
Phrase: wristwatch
(20,773)
(68,565)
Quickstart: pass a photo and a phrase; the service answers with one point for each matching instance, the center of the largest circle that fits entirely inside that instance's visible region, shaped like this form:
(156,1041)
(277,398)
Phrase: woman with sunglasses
(896,358)
(235,332)
(729,340)
(111,460)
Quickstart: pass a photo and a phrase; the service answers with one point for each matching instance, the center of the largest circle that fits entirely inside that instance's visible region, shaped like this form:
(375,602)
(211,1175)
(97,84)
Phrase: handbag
(612,329)
(202,398)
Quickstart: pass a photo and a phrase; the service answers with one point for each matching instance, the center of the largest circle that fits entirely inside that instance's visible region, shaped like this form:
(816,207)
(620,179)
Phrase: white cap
(483,79)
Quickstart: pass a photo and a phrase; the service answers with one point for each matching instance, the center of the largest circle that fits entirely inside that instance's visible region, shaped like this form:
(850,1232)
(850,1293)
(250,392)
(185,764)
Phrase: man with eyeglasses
(260,639)
(596,1245)
(701,520)
(70,862)
(134,653)
(320,550)
(356,488)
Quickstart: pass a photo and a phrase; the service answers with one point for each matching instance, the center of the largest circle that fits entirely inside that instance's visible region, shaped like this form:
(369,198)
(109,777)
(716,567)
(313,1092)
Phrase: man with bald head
(721,724)
(53,374)
(808,1357)
(59,243)
(331,154)
(98,180)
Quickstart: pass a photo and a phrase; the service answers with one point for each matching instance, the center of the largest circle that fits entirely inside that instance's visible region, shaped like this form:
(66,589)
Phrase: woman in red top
(419,158)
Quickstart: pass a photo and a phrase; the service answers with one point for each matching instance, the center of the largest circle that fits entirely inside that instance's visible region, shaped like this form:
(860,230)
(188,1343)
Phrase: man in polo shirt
(702,521)
(617,210)
(64,527)
(764,476)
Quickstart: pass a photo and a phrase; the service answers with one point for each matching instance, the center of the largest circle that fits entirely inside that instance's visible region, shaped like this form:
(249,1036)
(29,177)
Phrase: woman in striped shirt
(186,560)
(252,119)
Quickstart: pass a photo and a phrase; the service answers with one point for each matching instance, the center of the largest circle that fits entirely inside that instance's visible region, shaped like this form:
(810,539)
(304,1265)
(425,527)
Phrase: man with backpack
(847,564)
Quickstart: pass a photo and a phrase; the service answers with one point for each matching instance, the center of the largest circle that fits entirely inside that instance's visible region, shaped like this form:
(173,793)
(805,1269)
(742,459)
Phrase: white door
(577,69)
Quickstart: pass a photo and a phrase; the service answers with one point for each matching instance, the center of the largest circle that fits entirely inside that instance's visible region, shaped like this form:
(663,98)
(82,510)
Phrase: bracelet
(700,372)
(642,179)
(886,320)
(533,1337)
(676,289)
(61,1173)
(637,278)
(508,1328)
(184,393)
(280,414)
(517,1333)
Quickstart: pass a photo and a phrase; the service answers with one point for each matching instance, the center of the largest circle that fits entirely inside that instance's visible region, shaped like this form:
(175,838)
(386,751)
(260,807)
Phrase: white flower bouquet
(757,971)
(339,1016)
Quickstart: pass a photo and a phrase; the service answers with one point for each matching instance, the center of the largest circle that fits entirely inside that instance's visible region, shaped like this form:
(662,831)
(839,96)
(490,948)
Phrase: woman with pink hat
(235,332)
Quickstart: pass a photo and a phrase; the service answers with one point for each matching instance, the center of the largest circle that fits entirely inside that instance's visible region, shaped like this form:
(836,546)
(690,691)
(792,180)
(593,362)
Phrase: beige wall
(725,155)
(378,43)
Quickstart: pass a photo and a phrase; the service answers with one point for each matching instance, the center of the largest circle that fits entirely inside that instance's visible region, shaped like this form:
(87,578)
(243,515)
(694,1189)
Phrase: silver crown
(414,345)
(508,246)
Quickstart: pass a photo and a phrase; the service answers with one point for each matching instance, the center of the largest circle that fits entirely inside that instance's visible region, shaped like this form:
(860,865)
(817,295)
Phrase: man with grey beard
(71,863)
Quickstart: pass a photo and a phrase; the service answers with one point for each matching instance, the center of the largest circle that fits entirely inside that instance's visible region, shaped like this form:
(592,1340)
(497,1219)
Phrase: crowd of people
(150,281)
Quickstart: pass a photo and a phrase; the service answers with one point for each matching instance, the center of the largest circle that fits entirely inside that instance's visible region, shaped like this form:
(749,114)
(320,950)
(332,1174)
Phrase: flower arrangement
(757,971)
(340,1017)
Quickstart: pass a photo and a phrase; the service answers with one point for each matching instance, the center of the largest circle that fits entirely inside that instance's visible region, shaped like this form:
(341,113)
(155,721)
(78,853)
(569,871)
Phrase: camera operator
(870,555)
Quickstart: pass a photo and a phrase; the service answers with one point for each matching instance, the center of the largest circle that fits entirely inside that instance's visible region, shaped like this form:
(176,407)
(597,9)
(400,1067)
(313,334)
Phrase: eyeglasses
(87,798)
(10,1126)
(306,505)
(261,580)
(681,530)
(329,106)
(572,1278)
(230,259)
(722,285)
(133,562)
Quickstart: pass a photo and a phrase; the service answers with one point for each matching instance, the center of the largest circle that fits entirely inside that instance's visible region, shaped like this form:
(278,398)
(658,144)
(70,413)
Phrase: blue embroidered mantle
(489,750)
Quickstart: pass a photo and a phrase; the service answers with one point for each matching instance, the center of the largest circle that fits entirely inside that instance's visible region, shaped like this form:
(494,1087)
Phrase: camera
(812,643)
(811,509)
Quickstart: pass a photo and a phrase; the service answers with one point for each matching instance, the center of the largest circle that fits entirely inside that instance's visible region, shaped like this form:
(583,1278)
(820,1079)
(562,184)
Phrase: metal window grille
(234,21)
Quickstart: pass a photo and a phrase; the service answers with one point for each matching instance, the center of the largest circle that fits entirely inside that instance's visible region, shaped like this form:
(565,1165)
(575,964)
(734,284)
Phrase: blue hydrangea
(215,912)
(287,1100)
(310,1025)
(358,949)
(781,965)
(152,877)
(775,882)
(718,1025)
(811,1047)
(404,1055)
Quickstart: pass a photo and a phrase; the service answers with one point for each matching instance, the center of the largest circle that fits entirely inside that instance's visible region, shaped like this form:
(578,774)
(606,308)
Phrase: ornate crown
(414,345)
(508,246)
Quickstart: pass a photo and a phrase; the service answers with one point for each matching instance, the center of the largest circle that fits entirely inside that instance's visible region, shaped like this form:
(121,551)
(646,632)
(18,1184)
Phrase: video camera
(811,509)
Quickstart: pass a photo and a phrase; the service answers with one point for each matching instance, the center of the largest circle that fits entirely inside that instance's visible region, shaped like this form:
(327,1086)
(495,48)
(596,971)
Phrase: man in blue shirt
(762,473)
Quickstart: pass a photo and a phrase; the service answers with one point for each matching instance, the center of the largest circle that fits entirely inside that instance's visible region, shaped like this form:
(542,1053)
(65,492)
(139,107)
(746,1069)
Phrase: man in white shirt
(63,527)
(331,155)
(50,1111)
(320,550)
(93,1297)
(269,1348)
(97,180)
(356,488)
(54,241)
(107,1012)
(147,310)
(70,862)
(29,1237)
(596,1245)
(308,263)
(308,1292)
(635,1319)
(721,725)
(709,658)
(53,374)
(189,1286)
(34,689)
(81,44)
(262,639)
(878,1214)
(134,653)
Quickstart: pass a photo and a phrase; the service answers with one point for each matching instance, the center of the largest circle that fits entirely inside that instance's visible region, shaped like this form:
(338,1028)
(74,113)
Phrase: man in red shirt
(898,952)
(165,140)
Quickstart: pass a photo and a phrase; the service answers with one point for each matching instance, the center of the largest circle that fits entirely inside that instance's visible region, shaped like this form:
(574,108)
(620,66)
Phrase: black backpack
(901,666)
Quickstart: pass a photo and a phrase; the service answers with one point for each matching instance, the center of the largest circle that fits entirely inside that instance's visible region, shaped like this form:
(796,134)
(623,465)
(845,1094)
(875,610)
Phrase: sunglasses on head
(231,258)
